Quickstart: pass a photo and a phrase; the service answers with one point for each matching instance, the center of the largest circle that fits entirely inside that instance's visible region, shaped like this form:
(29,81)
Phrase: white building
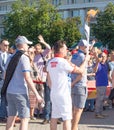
(68,8)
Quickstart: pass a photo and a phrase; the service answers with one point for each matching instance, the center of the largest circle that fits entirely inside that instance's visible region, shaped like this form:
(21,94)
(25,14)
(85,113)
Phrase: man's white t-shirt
(58,69)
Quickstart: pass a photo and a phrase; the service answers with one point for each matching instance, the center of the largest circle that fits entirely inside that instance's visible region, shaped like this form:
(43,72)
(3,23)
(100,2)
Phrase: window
(89,1)
(56,2)
(3,8)
(76,13)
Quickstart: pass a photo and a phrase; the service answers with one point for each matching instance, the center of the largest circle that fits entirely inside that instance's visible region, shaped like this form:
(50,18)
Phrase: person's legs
(32,113)
(87,105)
(24,124)
(53,124)
(67,125)
(76,118)
(47,108)
(78,101)
(101,91)
(10,122)
(92,104)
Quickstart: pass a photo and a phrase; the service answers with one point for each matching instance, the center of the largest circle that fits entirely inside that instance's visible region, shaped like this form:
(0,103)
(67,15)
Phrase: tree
(39,17)
(67,30)
(103,29)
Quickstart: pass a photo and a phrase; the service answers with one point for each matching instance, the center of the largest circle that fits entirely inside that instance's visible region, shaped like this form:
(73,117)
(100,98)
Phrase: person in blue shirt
(79,84)
(101,70)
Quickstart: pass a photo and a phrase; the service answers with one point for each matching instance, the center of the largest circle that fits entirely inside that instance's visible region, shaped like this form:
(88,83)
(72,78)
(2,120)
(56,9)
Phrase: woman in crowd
(35,76)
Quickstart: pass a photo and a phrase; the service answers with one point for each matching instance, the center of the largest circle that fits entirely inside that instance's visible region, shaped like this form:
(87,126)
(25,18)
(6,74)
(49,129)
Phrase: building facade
(67,8)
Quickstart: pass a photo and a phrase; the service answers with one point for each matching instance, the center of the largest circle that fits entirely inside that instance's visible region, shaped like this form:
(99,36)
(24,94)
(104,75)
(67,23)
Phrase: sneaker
(85,110)
(3,120)
(99,116)
(45,121)
(105,115)
(32,118)
(92,110)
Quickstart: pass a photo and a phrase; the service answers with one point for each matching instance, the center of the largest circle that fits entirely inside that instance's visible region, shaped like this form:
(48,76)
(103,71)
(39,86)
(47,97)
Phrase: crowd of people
(51,83)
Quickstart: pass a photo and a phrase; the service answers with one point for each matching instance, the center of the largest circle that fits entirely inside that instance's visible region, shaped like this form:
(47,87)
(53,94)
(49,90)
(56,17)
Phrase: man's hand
(39,98)
(41,39)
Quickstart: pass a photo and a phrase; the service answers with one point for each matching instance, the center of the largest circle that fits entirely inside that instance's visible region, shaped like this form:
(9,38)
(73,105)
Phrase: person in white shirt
(58,69)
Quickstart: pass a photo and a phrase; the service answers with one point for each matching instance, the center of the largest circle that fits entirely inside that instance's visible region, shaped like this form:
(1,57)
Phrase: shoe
(17,120)
(105,115)
(41,116)
(104,108)
(14,125)
(58,122)
(91,110)
(99,116)
(3,120)
(85,110)
(32,118)
(45,121)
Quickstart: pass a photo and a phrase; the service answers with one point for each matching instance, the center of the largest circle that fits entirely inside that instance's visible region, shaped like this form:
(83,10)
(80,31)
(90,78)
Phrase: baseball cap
(83,43)
(22,40)
(105,51)
(98,45)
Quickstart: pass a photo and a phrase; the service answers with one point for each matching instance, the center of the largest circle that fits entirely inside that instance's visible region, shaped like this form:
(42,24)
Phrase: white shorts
(61,107)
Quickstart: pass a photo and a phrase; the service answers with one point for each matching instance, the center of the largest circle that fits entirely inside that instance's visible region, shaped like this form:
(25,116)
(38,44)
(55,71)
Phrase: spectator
(40,61)
(79,84)
(89,106)
(47,108)
(4,46)
(17,91)
(35,76)
(111,66)
(101,70)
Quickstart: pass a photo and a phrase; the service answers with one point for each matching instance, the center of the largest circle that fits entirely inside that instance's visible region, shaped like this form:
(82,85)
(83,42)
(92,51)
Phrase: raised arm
(41,40)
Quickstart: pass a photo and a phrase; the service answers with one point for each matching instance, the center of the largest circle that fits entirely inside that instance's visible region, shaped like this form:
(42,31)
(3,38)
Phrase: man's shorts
(79,97)
(61,107)
(18,104)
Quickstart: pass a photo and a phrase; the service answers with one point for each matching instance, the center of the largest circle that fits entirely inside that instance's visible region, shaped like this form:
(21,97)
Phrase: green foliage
(103,29)
(31,18)
(67,30)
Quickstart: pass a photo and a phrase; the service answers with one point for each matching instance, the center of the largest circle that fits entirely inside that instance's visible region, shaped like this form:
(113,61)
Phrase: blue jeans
(90,104)
(47,108)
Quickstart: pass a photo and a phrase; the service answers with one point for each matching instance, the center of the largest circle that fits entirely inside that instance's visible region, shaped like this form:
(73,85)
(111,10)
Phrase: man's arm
(96,66)
(41,40)
(78,78)
(98,60)
(32,86)
(81,69)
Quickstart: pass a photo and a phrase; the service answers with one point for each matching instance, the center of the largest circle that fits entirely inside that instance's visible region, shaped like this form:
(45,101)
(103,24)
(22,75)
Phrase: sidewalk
(88,122)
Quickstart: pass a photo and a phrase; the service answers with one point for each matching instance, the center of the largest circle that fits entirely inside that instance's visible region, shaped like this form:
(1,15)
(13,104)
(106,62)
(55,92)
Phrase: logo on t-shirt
(54,64)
